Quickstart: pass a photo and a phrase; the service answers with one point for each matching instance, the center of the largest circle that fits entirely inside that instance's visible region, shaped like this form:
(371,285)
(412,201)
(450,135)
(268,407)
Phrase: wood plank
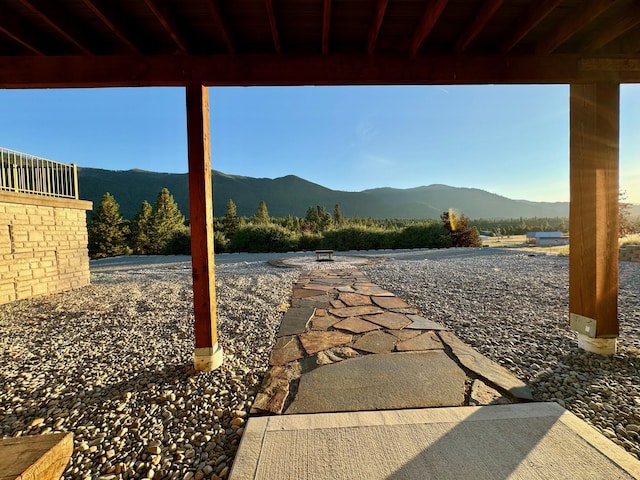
(249,70)
(201,216)
(13,28)
(427,22)
(376,23)
(593,213)
(160,9)
(480,20)
(536,12)
(221,23)
(618,26)
(326,26)
(273,24)
(575,21)
(102,12)
(38,457)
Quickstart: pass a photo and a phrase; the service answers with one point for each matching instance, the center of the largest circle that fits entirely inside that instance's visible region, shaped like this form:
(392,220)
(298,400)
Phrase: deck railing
(24,173)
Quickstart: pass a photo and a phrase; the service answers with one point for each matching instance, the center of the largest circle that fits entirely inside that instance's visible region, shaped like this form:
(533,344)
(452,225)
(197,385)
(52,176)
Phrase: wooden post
(208,354)
(593,218)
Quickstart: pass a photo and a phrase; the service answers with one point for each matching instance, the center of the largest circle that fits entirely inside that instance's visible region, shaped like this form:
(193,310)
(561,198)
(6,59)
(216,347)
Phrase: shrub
(457,227)
(179,243)
(358,238)
(309,241)
(431,235)
(220,242)
(262,238)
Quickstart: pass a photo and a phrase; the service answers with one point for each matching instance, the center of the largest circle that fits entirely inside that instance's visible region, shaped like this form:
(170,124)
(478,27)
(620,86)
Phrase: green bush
(263,238)
(220,242)
(430,235)
(309,241)
(358,238)
(179,243)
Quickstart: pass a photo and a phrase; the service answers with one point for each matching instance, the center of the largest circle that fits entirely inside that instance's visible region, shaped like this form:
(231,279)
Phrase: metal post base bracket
(208,358)
(602,346)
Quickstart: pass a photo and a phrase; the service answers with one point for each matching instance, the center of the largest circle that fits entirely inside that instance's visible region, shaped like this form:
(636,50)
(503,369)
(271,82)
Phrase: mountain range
(292,195)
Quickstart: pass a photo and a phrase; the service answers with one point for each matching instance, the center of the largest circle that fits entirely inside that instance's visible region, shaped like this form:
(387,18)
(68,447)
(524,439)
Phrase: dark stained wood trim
(161,11)
(536,12)
(593,216)
(201,216)
(271,14)
(575,21)
(97,10)
(427,22)
(326,26)
(58,23)
(13,28)
(486,12)
(621,24)
(178,70)
(376,23)
(221,23)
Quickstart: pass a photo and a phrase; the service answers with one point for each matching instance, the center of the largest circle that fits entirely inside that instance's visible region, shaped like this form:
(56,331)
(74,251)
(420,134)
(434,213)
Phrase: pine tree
(230,220)
(262,215)
(107,230)
(166,220)
(139,238)
(337,215)
(458,229)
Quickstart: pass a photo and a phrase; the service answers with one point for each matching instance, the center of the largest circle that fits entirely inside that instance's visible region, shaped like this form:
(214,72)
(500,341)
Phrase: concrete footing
(208,358)
(602,346)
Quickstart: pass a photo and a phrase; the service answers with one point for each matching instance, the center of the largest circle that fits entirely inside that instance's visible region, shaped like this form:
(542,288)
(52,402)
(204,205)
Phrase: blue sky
(509,140)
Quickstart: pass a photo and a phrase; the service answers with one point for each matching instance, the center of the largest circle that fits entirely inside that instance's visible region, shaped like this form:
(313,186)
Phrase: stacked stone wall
(43,245)
(630,253)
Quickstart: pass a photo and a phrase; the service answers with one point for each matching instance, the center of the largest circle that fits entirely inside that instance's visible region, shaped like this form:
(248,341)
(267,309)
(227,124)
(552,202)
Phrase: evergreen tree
(166,221)
(262,215)
(230,220)
(140,226)
(458,229)
(337,215)
(107,230)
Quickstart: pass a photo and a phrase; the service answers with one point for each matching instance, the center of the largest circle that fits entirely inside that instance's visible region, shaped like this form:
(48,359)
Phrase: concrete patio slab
(520,441)
(383,381)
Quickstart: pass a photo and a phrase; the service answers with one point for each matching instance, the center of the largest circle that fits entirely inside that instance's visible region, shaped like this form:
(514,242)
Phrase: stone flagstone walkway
(348,345)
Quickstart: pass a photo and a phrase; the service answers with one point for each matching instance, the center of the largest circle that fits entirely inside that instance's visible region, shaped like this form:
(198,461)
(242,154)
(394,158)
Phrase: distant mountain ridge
(292,195)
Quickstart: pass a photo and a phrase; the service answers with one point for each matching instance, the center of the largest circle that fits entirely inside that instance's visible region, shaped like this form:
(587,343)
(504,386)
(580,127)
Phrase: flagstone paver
(376,291)
(305,292)
(320,301)
(390,302)
(287,350)
(356,325)
(421,323)
(314,342)
(394,321)
(404,334)
(347,312)
(376,342)
(324,322)
(425,341)
(337,304)
(295,321)
(354,299)
(483,394)
(274,391)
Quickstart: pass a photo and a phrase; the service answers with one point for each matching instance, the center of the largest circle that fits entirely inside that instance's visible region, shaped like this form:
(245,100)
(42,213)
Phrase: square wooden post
(593,217)
(208,354)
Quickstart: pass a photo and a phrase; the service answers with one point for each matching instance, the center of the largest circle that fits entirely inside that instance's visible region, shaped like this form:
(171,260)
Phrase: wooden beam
(58,22)
(208,354)
(271,14)
(593,215)
(13,28)
(256,70)
(98,9)
(427,22)
(624,21)
(536,12)
(575,21)
(160,9)
(480,20)
(326,26)
(220,22)
(376,23)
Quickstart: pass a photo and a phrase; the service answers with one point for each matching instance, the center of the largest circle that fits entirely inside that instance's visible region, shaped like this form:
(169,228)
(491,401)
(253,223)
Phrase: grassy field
(519,242)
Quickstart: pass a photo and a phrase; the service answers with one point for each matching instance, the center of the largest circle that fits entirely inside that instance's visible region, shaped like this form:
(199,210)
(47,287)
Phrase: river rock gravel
(512,306)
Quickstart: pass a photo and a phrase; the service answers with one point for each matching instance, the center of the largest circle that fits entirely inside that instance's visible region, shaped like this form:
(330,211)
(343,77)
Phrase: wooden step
(37,457)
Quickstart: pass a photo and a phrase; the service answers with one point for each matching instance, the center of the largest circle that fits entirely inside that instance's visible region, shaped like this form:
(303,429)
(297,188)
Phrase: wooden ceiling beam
(427,22)
(160,9)
(271,14)
(57,22)
(267,70)
(99,11)
(575,21)
(326,26)
(376,23)
(480,20)
(221,23)
(536,12)
(13,28)
(624,21)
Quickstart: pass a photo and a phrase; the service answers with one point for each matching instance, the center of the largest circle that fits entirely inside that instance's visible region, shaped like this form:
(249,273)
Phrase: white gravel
(112,362)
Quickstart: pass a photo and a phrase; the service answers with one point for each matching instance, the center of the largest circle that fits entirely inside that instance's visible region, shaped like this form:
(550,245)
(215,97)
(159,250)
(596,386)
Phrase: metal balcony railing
(24,173)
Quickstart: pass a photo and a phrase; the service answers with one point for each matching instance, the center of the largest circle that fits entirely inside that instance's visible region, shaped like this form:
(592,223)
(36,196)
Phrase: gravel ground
(112,362)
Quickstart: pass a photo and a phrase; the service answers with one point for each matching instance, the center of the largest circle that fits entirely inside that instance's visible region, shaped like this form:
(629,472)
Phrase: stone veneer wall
(630,253)
(43,245)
